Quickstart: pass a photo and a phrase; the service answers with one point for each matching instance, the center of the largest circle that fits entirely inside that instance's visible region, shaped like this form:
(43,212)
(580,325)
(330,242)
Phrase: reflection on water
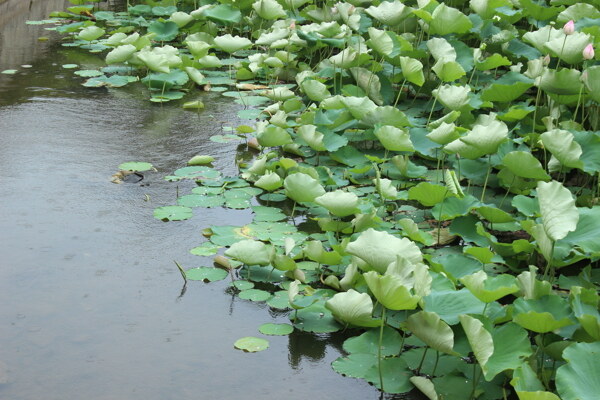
(89,293)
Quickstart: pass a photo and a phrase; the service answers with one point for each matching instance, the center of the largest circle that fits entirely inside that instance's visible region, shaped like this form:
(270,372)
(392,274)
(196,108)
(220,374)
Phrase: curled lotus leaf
(394,139)
(250,252)
(301,187)
(352,308)
(339,203)
(231,44)
(379,249)
(390,13)
(390,291)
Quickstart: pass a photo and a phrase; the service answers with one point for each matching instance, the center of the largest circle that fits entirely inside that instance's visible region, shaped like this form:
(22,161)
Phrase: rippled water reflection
(89,304)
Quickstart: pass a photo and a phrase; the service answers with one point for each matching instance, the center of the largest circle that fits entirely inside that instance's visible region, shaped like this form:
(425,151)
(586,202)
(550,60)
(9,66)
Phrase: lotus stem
(475,381)
(487,175)
(437,359)
(422,360)
(379,346)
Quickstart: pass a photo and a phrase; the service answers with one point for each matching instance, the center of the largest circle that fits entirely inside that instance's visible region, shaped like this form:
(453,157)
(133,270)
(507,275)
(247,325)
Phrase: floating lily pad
(206,274)
(198,200)
(242,285)
(276,329)
(70,66)
(88,73)
(136,166)
(279,300)
(206,249)
(251,344)
(9,72)
(173,213)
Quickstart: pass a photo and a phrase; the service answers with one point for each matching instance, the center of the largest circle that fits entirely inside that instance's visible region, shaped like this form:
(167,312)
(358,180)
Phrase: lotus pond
(421,177)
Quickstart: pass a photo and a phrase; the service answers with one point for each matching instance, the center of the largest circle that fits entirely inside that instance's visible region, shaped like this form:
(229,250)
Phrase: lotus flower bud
(588,52)
(547,60)
(293,24)
(569,28)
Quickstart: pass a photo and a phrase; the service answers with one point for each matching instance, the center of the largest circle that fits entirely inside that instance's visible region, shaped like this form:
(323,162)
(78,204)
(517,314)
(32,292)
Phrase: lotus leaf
(120,54)
(181,18)
(251,344)
(390,291)
(446,20)
(339,203)
(268,9)
(390,13)
(452,97)
(490,288)
(231,44)
(484,138)
(429,328)
(578,378)
(250,252)
(90,33)
(542,315)
(379,249)
(269,181)
(352,308)
(301,187)
(394,139)
(557,206)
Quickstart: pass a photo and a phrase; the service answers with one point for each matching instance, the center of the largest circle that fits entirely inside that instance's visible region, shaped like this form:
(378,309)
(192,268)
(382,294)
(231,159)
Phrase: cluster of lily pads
(428,175)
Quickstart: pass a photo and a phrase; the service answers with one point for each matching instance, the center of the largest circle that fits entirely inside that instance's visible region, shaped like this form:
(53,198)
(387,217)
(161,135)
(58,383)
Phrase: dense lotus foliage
(427,175)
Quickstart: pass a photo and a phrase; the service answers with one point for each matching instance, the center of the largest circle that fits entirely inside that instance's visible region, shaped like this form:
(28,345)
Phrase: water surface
(89,293)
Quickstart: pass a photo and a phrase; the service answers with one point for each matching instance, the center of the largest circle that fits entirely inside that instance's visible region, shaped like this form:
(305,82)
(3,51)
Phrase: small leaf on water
(242,285)
(254,295)
(206,274)
(206,249)
(135,166)
(251,344)
(9,71)
(276,329)
(173,213)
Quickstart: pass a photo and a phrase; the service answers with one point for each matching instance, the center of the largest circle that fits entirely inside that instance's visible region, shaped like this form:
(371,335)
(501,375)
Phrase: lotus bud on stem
(588,52)
(569,28)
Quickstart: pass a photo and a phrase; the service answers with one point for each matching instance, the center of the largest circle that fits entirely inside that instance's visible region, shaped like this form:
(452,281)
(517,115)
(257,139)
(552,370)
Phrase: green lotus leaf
(386,115)
(367,343)
(511,347)
(279,94)
(181,18)
(447,20)
(592,82)
(206,274)
(494,61)
(165,82)
(231,44)
(195,75)
(563,147)
(269,38)
(558,210)
(584,303)
(301,187)
(345,59)
(250,252)
(90,33)
(448,71)
(444,134)
(428,194)
(452,184)
(508,88)
(269,181)
(479,338)
(578,378)
(379,249)
(425,386)
(161,11)
(173,213)
(352,308)
(223,14)
(120,54)
(569,48)
(272,136)
(390,291)
(390,13)
(251,344)
(429,328)
(115,39)
(339,203)
(412,231)
(542,315)
(160,59)
(494,215)
(441,50)
(490,288)
(386,188)
(269,9)
(315,90)
(254,295)
(525,165)
(314,251)
(412,70)
(381,41)
(394,139)
(163,31)
(369,82)
(450,304)
(484,138)
(452,97)
(276,329)
(136,166)
(530,287)
(528,386)
(539,12)
(563,82)
(112,81)
(206,249)
(210,62)
(198,48)
(312,137)
(542,36)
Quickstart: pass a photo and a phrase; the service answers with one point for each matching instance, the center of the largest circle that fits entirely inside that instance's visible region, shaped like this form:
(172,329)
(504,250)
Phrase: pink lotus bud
(588,52)
(546,59)
(569,28)
(293,24)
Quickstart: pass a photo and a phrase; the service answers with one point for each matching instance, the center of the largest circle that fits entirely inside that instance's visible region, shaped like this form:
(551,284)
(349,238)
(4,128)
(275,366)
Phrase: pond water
(89,292)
